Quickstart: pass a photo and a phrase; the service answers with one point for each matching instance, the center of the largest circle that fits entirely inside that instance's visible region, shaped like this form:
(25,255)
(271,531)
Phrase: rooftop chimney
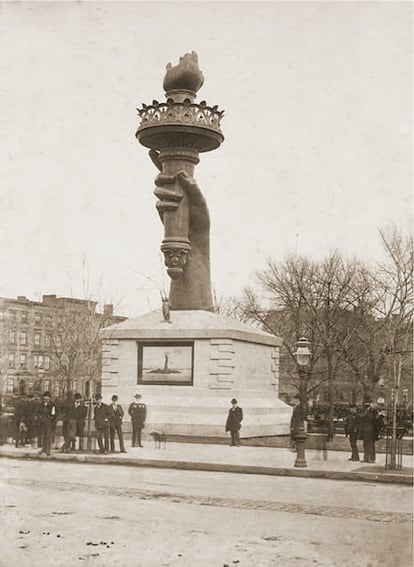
(49,299)
(108,310)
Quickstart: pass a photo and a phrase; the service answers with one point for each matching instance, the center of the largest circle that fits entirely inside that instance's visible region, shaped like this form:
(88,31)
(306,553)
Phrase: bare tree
(230,306)
(312,299)
(364,351)
(395,300)
(74,335)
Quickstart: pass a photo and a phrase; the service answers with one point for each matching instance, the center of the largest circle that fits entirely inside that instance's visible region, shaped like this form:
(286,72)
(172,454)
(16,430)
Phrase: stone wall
(223,369)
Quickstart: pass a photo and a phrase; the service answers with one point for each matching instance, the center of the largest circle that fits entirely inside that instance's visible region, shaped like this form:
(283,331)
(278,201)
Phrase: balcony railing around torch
(180,112)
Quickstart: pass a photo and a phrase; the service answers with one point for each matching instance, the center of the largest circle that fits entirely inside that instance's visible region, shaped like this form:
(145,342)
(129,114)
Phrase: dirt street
(74,514)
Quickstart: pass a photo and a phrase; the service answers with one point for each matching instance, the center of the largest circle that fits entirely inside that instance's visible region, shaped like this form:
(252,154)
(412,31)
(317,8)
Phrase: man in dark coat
(369,431)
(233,423)
(102,422)
(68,426)
(138,412)
(353,430)
(46,413)
(116,416)
(78,413)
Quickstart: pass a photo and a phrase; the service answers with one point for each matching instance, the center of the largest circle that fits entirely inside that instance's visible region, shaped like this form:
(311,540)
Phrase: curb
(390,478)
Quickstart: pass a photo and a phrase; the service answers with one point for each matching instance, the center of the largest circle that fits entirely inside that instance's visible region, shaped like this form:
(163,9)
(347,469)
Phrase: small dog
(159,437)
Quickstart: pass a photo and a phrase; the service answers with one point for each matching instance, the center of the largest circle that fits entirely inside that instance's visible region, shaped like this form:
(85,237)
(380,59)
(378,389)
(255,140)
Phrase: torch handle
(176,223)
(176,245)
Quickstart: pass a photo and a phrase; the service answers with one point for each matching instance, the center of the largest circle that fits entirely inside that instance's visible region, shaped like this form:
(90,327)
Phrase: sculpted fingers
(164,179)
(168,199)
(165,194)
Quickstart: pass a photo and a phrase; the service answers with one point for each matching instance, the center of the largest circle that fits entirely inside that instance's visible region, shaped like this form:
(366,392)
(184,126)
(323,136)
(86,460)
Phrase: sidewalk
(246,460)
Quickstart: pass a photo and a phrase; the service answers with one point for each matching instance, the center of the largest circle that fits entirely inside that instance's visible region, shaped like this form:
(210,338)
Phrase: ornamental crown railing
(171,112)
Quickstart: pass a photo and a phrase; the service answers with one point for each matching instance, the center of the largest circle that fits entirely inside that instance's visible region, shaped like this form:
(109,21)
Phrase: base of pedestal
(226,359)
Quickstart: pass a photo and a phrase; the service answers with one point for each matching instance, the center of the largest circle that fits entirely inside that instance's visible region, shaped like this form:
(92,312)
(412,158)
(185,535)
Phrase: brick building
(45,345)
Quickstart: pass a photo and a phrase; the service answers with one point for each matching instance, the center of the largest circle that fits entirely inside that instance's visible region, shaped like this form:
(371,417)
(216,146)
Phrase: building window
(24,316)
(23,359)
(22,387)
(46,385)
(23,338)
(12,315)
(47,341)
(57,389)
(58,342)
(11,360)
(10,386)
(30,386)
(47,362)
(2,315)
(38,361)
(12,337)
(38,318)
(48,320)
(37,339)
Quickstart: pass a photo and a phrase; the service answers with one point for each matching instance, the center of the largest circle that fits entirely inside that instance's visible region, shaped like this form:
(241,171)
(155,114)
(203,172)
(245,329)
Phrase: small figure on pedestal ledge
(165,308)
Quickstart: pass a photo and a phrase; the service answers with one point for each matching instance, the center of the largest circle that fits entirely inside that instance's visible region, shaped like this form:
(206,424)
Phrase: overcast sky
(317,152)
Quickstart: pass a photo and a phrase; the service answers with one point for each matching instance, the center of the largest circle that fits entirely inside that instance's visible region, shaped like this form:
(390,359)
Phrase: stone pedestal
(229,359)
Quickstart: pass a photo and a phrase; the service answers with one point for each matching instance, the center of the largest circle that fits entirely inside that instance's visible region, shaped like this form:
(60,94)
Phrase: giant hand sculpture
(176,131)
(189,269)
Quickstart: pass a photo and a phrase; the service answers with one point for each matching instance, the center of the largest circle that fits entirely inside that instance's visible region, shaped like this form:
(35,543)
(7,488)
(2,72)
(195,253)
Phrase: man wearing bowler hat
(138,412)
(46,415)
(79,413)
(102,421)
(233,423)
(116,416)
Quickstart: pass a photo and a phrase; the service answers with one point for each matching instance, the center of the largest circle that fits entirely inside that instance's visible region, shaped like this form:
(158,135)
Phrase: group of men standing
(73,414)
(74,418)
(108,421)
(366,426)
(35,419)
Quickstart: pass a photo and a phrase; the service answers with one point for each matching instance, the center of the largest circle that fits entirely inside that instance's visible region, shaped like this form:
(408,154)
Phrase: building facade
(51,345)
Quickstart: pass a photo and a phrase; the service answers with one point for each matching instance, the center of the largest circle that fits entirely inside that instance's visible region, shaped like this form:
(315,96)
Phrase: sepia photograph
(206,294)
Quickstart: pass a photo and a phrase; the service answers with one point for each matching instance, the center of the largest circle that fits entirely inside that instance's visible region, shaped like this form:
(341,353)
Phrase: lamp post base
(300,450)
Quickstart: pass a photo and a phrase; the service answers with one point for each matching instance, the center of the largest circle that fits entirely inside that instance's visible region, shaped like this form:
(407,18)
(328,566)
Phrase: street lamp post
(303,356)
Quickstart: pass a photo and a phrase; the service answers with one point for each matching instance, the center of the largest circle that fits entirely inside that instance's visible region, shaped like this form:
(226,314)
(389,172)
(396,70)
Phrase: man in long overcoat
(233,422)
(116,416)
(102,422)
(353,430)
(370,433)
(46,414)
(138,412)
(78,413)
(68,425)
